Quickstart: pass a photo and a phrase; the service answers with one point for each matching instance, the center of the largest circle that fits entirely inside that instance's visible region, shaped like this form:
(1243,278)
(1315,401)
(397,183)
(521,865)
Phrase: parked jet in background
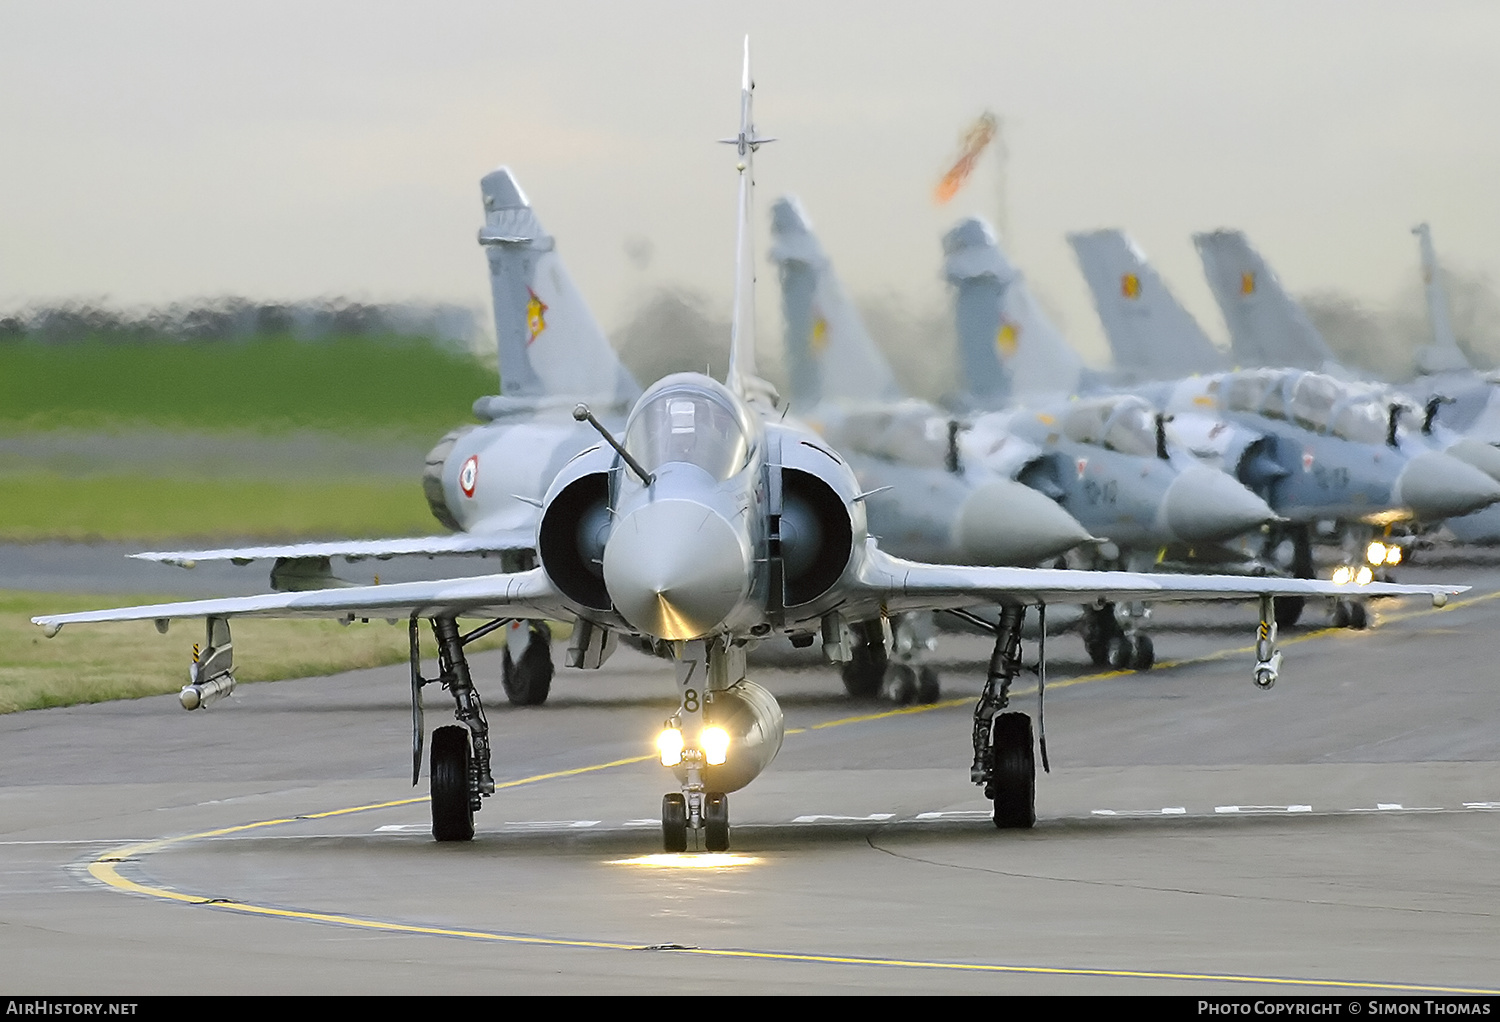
(1459,408)
(1107,460)
(486,481)
(714,523)
(1317,448)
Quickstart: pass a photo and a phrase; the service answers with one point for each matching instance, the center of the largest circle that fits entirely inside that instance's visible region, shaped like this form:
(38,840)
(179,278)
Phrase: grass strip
(268,382)
(43,505)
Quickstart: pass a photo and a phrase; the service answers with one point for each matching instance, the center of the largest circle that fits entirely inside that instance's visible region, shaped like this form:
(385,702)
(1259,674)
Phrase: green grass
(268,383)
(42,505)
(127,660)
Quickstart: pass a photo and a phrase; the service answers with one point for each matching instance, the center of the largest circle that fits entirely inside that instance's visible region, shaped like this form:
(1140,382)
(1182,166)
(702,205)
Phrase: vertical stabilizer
(1151,335)
(830,355)
(1007,345)
(549,343)
(1266,326)
(1443,355)
(742,377)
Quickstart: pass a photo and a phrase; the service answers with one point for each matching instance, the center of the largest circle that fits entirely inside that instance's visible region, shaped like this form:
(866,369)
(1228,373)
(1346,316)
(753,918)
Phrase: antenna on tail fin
(742,377)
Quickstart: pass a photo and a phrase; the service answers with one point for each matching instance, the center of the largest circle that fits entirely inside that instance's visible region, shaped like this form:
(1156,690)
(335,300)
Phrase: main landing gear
(1004,760)
(459,772)
(528,663)
(900,676)
(1109,643)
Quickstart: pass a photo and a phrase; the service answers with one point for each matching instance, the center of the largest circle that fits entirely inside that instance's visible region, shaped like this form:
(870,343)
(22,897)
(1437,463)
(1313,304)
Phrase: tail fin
(550,346)
(742,377)
(1266,326)
(1152,336)
(823,329)
(1007,345)
(1443,355)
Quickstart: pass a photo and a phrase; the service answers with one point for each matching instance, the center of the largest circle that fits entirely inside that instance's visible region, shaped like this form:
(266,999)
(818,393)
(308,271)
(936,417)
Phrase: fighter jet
(486,481)
(1104,458)
(1318,448)
(713,522)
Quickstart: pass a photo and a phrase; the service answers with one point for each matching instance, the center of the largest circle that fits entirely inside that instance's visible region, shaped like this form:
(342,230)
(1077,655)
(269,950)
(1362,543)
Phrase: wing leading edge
(526,594)
(894,585)
(354,550)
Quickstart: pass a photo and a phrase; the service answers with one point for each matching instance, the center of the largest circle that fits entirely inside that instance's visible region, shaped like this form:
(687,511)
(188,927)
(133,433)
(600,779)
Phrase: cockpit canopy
(1315,401)
(1125,424)
(689,418)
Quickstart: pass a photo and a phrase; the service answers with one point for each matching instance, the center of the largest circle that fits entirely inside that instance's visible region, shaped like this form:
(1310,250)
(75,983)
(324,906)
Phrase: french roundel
(469,475)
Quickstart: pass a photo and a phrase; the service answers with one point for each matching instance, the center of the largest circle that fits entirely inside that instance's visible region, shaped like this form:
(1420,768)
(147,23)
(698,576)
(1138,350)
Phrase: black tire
(929,690)
(452,811)
(1144,654)
(674,822)
(1359,616)
(1013,772)
(716,822)
(864,672)
(528,682)
(1289,610)
(900,685)
(1099,627)
(1340,618)
(1121,655)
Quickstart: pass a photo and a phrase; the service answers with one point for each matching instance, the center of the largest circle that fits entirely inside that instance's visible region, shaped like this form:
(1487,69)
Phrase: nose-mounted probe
(582,414)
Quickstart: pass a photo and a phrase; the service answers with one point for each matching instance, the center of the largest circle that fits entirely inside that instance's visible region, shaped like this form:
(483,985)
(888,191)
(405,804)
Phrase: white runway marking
(819,818)
(956,814)
(938,816)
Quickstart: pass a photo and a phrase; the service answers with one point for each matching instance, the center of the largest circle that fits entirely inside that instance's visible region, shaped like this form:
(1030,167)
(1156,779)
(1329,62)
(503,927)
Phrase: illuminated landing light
(1363,576)
(1375,553)
(690,860)
(669,746)
(1342,575)
(1393,555)
(715,742)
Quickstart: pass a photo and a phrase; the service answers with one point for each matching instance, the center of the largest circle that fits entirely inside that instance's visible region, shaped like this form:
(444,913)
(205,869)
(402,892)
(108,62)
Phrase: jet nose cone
(675,569)
(1437,486)
(1203,505)
(1006,523)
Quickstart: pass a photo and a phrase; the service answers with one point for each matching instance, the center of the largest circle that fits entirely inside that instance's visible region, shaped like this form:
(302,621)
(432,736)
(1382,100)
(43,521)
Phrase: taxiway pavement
(1339,834)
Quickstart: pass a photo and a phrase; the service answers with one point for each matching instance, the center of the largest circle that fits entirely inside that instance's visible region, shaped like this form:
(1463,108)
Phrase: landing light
(1393,555)
(715,742)
(669,745)
(1375,553)
(1342,575)
(1363,576)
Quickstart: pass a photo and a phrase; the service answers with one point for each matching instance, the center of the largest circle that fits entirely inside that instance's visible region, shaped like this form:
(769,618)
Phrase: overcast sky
(153,151)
